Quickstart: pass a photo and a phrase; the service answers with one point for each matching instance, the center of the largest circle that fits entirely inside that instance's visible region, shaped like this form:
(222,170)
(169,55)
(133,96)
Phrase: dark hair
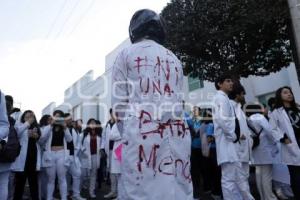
(110,111)
(271,103)
(279,102)
(67,115)
(220,79)
(88,130)
(9,103)
(14,110)
(44,120)
(34,124)
(61,113)
(99,128)
(9,99)
(207,116)
(254,108)
(237,89)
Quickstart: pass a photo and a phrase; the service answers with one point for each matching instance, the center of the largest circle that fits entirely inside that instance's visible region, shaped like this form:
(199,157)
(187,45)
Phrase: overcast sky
(46,45)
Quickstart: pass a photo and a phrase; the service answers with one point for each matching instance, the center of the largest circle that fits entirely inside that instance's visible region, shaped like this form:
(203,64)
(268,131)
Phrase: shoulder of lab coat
(21,128)
(114,133)
(265,125)
(274,123)
(223,115)
(4,124)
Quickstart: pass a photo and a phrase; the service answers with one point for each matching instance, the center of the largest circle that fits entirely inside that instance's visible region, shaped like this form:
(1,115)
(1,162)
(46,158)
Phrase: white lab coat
(115,166)
(224,123)
(46,140)
(19,164)
(76,139)
(280,123)
(267,151)
(4,129)
(105,143)
(85,154)
(148,77)
(243,146)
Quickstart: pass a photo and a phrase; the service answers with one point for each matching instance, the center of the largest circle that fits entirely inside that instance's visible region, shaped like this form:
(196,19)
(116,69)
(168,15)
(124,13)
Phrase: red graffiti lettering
(142,157)
(165,163)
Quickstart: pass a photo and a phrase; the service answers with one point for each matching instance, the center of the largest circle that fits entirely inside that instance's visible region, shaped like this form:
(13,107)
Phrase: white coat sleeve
(120,93)
(268,129)
(103,139)
(68,136)
(224,119)
(45,134)
(4,124)
(274,123)
(21,128)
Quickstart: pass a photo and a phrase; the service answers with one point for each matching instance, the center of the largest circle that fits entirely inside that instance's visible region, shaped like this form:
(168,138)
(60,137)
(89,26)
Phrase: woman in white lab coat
(115,160)
(56,156)
(90,153)
(28,163)
(285,122)
(264,150)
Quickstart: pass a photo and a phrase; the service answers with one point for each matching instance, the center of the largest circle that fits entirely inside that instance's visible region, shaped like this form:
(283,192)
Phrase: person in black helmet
(147,99)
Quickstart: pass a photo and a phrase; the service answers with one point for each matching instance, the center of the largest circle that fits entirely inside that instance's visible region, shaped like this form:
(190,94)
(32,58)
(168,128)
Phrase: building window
(195,83)
(77,113)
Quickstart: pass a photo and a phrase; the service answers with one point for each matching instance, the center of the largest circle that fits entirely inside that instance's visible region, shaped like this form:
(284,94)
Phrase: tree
(242,37)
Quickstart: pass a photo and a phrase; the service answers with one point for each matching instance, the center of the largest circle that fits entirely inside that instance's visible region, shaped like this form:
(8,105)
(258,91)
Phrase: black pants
(214,172)
(20,181)
(295,180)
(198,170)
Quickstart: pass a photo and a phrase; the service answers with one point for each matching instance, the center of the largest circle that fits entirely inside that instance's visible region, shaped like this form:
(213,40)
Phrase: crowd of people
(170,155)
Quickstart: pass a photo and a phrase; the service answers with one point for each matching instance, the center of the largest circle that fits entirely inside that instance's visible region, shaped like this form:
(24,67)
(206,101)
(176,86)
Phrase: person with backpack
(4,131)
(264,150)
(56,156)
(28,163)
(90,153)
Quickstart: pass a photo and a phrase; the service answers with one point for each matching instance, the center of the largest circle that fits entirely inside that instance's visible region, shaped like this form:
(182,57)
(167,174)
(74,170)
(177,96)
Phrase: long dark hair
(88,129)
(44,120)
(34,124)
(279,101)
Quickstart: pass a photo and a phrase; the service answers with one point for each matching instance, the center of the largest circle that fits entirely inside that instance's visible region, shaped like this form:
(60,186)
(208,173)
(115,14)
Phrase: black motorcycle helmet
(146,24)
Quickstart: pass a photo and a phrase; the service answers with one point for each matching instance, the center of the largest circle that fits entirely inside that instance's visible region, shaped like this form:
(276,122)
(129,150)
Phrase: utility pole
(294,7)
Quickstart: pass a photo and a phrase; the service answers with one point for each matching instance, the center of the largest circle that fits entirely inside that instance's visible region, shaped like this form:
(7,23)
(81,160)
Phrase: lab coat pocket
(291,148)
(47,159)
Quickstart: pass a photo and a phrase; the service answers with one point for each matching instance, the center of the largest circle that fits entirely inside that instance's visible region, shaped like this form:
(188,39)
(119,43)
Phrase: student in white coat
(74,169)
(148,80)
(226,137)
(44,122)
(244,144)
(28,163)
(4,130)
(115,162)
(56,157)
(264,150)
(90,153)
(106,144)
(285,122)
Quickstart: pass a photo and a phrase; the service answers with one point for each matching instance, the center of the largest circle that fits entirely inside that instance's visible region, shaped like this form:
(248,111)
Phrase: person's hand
(210,139)
(287,141)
